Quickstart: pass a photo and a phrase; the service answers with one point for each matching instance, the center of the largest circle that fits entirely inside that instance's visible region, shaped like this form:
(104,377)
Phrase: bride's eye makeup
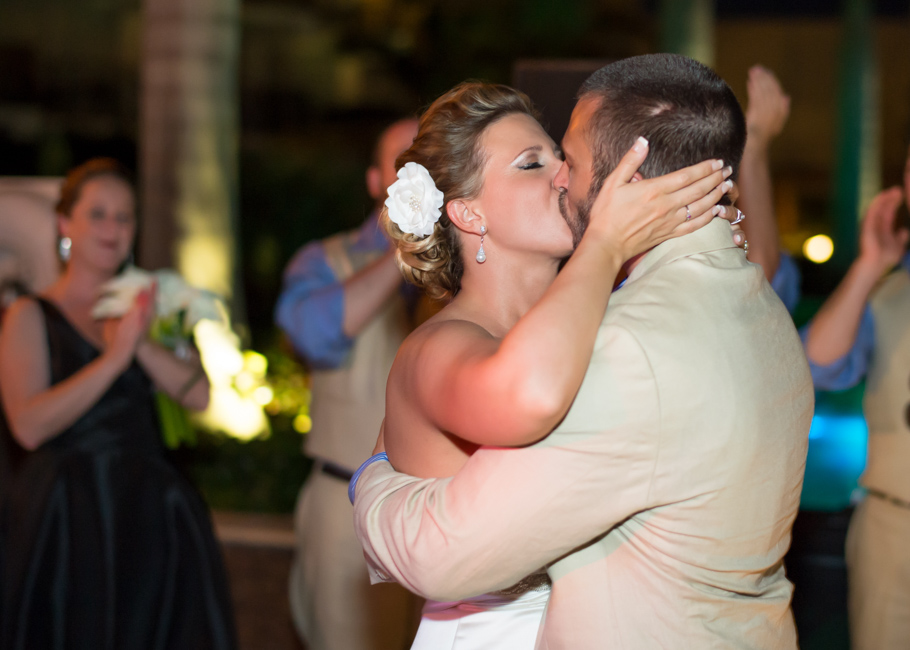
(529,158)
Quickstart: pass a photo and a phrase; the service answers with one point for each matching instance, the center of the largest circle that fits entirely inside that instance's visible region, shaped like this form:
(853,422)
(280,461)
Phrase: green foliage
(263,474)
(260,475)
(176,427)
(291,389)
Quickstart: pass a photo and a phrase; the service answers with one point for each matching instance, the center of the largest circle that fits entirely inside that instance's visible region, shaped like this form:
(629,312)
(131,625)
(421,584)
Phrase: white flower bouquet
(175,300)
(178,308)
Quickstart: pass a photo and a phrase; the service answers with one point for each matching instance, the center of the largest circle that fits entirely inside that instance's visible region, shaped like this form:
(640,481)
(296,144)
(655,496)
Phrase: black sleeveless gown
(104,545)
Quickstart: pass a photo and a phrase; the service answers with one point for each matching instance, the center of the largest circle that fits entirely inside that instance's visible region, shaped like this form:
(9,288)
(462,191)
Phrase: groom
(662,504)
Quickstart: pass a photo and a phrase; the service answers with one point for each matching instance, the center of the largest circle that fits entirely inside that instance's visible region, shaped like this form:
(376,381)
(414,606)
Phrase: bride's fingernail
(717,164)
(640,145)
(727,186)
(716,210)
(727,172)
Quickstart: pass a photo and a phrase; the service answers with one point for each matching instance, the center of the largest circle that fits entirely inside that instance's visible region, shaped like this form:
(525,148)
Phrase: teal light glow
(837,456)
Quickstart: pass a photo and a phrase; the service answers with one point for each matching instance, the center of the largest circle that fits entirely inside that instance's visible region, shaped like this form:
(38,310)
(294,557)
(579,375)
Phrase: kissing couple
(563,463)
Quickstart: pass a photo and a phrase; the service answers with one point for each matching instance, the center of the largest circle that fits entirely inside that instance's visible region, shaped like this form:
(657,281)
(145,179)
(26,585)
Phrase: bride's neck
(499,292)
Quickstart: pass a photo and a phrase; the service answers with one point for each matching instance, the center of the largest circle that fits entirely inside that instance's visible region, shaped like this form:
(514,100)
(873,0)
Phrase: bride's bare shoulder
(444,332)
(436,344)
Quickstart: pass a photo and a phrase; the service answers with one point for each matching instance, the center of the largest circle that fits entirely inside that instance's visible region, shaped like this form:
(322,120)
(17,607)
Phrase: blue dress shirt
(786,282)
(850,369)
(310,308)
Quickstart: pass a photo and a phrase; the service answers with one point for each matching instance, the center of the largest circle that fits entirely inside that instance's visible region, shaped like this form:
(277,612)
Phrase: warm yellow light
(255,363)
(303,423)
(220,351)
(239,417)
(818,249)
(263,395)
(245,381)
(230,411)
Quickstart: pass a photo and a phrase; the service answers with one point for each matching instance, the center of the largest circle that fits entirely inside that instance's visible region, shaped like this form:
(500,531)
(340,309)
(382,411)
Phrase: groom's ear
(462,216)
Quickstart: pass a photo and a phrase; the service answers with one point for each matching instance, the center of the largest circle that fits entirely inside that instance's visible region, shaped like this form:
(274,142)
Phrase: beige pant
(332,602)
(878,573)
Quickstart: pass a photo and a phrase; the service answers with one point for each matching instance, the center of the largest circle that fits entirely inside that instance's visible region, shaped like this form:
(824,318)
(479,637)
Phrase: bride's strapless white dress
(502,620)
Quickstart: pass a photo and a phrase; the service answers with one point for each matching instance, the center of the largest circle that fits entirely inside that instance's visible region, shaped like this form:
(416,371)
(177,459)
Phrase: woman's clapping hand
(123,335)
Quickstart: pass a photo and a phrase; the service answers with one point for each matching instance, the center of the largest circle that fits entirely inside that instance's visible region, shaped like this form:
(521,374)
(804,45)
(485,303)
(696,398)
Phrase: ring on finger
(739,217)
(688,213)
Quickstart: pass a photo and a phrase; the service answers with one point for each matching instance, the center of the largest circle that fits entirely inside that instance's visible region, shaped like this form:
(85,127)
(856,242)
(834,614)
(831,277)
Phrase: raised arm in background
(832,332)
(766,116)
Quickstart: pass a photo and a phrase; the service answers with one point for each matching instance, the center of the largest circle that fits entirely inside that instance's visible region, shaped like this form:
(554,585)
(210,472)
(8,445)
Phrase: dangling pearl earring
(64,248)
(481,256)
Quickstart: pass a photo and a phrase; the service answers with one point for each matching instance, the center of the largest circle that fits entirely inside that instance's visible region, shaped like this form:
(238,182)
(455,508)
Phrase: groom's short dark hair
(684,109)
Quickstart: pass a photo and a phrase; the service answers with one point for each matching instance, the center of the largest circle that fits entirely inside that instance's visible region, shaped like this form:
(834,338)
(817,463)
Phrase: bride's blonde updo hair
(448,145)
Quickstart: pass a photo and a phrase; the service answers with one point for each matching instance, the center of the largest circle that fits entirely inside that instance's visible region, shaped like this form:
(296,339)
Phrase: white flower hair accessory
(414,203)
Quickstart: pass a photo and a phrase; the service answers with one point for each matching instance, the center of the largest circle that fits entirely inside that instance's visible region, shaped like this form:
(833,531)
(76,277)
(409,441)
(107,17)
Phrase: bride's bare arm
(513,391)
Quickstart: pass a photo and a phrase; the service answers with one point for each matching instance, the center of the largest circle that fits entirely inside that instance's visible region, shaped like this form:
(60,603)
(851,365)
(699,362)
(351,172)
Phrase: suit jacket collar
(717,235)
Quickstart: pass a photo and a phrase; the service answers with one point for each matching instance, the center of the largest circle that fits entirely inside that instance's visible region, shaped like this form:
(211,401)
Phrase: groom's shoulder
(662,289)
(702,286)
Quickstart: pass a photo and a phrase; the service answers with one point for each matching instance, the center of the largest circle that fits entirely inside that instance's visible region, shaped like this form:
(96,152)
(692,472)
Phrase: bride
(476,215)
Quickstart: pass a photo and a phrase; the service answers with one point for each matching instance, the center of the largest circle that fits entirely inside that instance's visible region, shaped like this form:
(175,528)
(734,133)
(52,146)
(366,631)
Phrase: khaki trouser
(878,573)
(332,602)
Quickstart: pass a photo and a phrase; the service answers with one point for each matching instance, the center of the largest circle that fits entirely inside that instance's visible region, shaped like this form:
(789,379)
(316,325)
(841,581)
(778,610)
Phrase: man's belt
(336,471)
(900,503)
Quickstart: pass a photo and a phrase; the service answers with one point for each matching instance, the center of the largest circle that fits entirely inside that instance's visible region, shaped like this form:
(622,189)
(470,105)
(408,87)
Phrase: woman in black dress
(103,544)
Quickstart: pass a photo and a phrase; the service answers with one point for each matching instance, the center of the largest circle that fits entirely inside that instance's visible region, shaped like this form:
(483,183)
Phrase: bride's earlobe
(467,221)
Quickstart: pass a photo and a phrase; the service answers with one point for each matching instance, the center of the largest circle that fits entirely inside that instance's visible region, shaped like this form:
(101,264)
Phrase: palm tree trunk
(189,141)
(687,27)
(858,172)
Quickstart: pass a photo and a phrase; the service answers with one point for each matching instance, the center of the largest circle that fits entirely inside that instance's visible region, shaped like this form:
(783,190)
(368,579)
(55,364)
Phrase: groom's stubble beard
(578,222)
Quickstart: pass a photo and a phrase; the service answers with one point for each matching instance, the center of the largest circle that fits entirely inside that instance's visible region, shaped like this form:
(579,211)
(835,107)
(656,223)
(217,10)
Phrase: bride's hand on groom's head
(735,217)
(635,217)
(733,195)
(739,237)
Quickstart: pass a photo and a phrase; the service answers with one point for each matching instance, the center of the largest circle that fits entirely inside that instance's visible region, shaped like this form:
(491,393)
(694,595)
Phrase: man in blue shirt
(343,308)
(863,330)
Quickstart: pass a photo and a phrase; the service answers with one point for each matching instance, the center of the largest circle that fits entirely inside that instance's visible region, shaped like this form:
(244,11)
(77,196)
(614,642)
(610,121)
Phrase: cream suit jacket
(682,458)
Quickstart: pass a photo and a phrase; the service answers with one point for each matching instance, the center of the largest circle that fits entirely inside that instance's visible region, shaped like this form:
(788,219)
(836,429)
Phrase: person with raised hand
(104,543)
(767,114)
(863,331)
